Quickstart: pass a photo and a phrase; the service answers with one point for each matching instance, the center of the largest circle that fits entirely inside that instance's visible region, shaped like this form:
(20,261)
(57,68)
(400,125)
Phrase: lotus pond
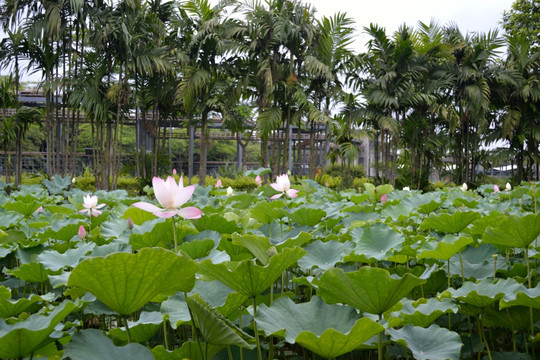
(450,274)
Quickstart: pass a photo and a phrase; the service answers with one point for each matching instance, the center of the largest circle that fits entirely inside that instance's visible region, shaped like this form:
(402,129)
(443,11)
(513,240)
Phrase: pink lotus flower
(82,232)
(171,197)
(258,181)
(384,198)
(174,171)
(496,188)
(283,185)
(91,205)
(38,210)
(218,184)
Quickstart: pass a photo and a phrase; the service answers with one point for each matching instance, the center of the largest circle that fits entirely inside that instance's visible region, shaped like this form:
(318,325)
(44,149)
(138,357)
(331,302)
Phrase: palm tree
(517,94)
(202,73)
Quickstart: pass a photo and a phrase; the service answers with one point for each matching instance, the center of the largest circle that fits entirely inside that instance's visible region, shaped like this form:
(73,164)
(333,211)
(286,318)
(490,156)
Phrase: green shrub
(336,170)
(85,182)
(30,179)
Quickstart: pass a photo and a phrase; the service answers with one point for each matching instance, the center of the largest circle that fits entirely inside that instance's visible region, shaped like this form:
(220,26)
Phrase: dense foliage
(423,94)
(380,273)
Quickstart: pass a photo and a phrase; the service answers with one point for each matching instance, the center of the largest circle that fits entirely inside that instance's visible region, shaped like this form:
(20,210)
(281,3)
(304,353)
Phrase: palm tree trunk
(203,146)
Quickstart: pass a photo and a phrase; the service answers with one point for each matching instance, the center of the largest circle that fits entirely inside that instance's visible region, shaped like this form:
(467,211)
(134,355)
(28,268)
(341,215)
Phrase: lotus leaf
(324,255)
(189,350)
(514,231)
(483,293)
(24,337)
(424,312)
(54,261)
(216,222)
(248,278)
(374,242)
(450,223)
(433,343)
(215,328)
(444,249)
(125,282)
(372,290)
(328,330)
(307,216)
(141,330)
(91,344)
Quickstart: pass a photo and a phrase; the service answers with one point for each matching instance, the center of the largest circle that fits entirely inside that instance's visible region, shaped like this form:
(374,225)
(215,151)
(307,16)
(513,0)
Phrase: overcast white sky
(469,15)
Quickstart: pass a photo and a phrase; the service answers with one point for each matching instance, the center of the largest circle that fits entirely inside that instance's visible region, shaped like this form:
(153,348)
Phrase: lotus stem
(165,337)
(483,335)
(379,352)
(255,330)
(240,326)
(194,331)
(462,269)
(127,329)
(229,352)
(174,235)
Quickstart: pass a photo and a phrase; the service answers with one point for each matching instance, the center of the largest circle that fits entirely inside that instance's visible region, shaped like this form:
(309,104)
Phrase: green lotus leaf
(372,290)
(156,233)
(512,318)
(9,219)
(266,212)
(113,228)
(198,248)
(91,344)
(141,330)
(258,245)
(307,216)
(54,261)
(450,223)
(424,312)
(445,248)
(522,296)
(399,212)
(324,255)
(189,350)
(13,307)
(60,209)
(328,330)
(483,293)
(25,206)
(241,201)
(433,343)
(215,328)
(58,184)
(514,231)
(248,278)
(292,239)
(64,229)
(24,337)
(216,222)
(374,243)
(358,199)
(137,215)
(125,282)
(222,298)
(33,272)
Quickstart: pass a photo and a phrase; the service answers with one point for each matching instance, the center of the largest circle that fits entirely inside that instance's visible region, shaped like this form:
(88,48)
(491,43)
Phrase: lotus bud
(218,184)
(130,223)
(464,187)
(82,232)
(496,188)
(384,198)
(258,181)
(508,187)
(38,210)
(174,171)
(406,188)
(230,191)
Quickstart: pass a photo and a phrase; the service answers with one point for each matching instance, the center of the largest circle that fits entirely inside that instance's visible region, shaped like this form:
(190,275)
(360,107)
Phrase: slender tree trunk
(203,147)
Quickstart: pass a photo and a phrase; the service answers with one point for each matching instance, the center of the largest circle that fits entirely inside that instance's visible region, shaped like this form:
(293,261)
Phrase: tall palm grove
(422,95)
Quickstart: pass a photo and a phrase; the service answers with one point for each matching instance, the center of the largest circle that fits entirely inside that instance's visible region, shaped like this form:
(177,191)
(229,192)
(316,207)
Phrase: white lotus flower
(406,188)
(508,187)
(464,187)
